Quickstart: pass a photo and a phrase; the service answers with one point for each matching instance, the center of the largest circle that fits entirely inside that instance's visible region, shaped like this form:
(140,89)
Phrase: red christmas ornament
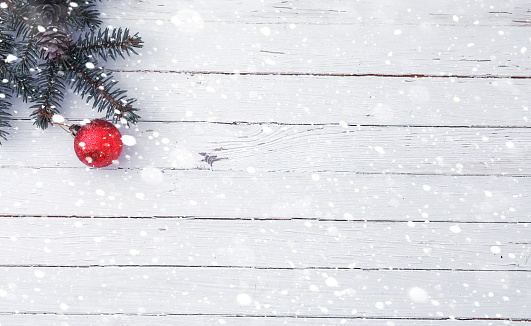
(98,143)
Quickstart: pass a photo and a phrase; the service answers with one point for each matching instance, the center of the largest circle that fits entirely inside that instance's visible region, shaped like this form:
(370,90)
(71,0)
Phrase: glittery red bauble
(98,143)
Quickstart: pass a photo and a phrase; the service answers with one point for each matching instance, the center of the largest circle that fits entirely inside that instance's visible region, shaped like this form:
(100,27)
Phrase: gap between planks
(243,73)
(508,319)
(258,219)
(250,123)
(316,268)
(162,168)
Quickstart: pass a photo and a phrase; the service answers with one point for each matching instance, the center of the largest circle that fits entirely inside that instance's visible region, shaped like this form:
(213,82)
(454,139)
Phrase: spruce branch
(50,97)
(7,44)
(4,107)
(106,44)
(22,84)
(99,86)
(17,17)
(84,15)
(28,57)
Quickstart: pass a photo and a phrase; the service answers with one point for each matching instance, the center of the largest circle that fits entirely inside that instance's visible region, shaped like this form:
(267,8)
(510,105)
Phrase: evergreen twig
(4,106)
(107,44)
(7,44)
(100,87)
(22,85)
(83,16)
(17,19)
(29,57)
(50,97)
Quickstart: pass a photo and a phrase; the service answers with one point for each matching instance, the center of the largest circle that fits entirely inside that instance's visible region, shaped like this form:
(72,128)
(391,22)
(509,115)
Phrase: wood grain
(314,293)
(264,244)
(362,12)
(211,194)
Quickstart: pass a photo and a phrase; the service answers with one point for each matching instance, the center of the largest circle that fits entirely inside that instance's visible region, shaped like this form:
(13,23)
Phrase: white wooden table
(332,162)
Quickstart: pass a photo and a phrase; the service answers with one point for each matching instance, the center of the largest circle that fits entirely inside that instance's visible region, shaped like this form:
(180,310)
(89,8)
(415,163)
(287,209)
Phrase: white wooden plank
(267,148)
(331,49)
(314,100)
(318,100)
(198,36)
(266,292)
(121,320)
(489,12)
(263,195)
(264,244)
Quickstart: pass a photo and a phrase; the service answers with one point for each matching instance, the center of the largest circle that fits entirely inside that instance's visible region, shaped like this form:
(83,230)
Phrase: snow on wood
(264,244)
(343,196)
(236,291)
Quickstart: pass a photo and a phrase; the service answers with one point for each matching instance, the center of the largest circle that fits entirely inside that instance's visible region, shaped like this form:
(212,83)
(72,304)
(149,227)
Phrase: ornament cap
(74,129)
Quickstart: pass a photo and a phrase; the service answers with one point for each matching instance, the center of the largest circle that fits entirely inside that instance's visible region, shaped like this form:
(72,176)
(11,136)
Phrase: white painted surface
(338,199)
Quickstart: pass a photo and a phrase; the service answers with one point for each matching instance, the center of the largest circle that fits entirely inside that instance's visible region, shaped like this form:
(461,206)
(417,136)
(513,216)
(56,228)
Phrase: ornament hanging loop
(74,129)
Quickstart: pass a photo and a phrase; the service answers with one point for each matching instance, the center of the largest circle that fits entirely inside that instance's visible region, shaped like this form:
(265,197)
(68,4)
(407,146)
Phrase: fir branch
(22,84)
(84,15)
(16,14)
(50,97)
(94,84)
(28,58)
(7,44)
(4,106)
(105,45)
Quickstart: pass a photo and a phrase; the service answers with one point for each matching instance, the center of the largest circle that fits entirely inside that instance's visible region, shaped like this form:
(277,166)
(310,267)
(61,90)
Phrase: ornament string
(65,127)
